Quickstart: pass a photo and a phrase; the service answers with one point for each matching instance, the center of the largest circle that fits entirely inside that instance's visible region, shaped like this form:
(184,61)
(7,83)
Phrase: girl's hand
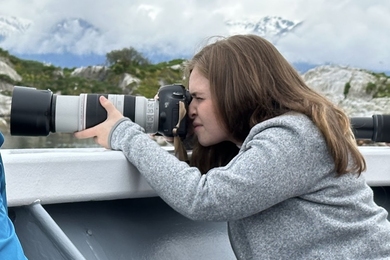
(101,131)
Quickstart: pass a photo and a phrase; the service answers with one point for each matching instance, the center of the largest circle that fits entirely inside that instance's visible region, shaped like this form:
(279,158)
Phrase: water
(53,140)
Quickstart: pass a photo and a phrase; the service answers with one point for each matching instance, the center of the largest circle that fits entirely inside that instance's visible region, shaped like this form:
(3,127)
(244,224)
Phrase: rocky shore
(347,87)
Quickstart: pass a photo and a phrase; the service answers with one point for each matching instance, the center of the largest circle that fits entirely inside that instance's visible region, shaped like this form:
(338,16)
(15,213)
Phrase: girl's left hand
(101,131)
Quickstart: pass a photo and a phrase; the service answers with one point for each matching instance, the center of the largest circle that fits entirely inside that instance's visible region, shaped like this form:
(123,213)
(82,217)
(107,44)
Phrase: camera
(38,112)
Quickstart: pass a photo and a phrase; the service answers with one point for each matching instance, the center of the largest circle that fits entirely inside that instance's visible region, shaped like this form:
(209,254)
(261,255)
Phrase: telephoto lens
(38,112)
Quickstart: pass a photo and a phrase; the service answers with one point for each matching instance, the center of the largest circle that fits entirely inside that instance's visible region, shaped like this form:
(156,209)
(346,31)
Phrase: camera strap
(180,150)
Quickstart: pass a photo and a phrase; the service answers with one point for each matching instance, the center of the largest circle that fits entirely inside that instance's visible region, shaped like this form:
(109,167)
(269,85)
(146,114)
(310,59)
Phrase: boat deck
(93,204)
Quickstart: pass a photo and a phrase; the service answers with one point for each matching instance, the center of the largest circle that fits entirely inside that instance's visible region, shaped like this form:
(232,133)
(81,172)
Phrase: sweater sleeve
(275,163)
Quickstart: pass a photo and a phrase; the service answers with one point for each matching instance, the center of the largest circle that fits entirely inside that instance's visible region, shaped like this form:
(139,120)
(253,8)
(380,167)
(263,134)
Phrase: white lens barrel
(71,112)
(82,112)
(118,101)
(67,114)
(147,114)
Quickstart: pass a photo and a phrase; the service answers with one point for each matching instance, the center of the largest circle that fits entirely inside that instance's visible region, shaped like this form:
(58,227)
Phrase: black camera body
(169,97)
(39,112)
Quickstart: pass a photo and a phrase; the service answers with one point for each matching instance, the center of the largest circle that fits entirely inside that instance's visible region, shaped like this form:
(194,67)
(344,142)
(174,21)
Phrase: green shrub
(347,87)
(41,76)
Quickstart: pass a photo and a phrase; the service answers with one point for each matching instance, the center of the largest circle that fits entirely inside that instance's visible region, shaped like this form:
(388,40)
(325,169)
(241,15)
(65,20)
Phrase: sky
(352,33)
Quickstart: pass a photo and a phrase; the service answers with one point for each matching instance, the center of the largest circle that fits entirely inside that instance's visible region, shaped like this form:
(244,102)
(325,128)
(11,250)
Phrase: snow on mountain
(71,28)
(270,27)
(71,38)
(74,26)
(11,25)
(71,35)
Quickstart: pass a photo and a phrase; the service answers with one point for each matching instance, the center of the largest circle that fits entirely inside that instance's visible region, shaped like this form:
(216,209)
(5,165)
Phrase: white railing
(84,174)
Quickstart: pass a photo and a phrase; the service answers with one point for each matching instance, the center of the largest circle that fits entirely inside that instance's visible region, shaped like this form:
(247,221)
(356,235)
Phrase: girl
(273,158)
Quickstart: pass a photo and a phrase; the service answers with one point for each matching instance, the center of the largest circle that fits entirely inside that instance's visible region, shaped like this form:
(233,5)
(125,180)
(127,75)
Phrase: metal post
(50,227)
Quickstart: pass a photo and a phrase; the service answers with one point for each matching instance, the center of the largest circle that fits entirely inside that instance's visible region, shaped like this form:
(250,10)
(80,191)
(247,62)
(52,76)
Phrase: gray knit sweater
(280,194)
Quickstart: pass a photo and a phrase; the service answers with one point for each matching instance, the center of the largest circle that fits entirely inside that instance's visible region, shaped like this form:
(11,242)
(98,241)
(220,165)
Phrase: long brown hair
(250,81)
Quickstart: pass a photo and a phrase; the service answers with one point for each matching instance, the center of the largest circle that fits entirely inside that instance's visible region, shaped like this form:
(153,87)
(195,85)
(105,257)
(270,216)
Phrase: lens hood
(31,111)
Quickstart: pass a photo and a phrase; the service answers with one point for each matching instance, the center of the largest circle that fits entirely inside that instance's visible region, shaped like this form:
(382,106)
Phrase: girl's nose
(191,110)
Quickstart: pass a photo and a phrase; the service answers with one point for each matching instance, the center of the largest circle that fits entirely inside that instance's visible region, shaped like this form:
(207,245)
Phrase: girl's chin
(205,143)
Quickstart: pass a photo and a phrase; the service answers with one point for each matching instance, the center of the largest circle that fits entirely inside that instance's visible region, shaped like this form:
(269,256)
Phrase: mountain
(359,92)
(68,34)
(69,26)
(11,25)
(269,27)
(63,38)
(73,29)
(74,33)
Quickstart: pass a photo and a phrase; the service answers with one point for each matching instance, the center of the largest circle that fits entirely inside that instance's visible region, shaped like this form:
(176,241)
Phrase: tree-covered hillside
(120,64)
(126,72)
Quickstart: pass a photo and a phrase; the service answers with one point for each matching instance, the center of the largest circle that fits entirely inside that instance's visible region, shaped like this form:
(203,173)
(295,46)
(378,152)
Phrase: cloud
(349,32)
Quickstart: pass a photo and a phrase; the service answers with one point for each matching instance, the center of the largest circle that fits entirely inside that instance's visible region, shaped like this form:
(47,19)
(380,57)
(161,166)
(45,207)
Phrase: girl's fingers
(112,111)
(108,106)
(101,131)
(87,133)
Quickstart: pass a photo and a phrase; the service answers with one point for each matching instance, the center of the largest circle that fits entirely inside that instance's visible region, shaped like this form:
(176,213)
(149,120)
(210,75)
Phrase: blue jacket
(10,247)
